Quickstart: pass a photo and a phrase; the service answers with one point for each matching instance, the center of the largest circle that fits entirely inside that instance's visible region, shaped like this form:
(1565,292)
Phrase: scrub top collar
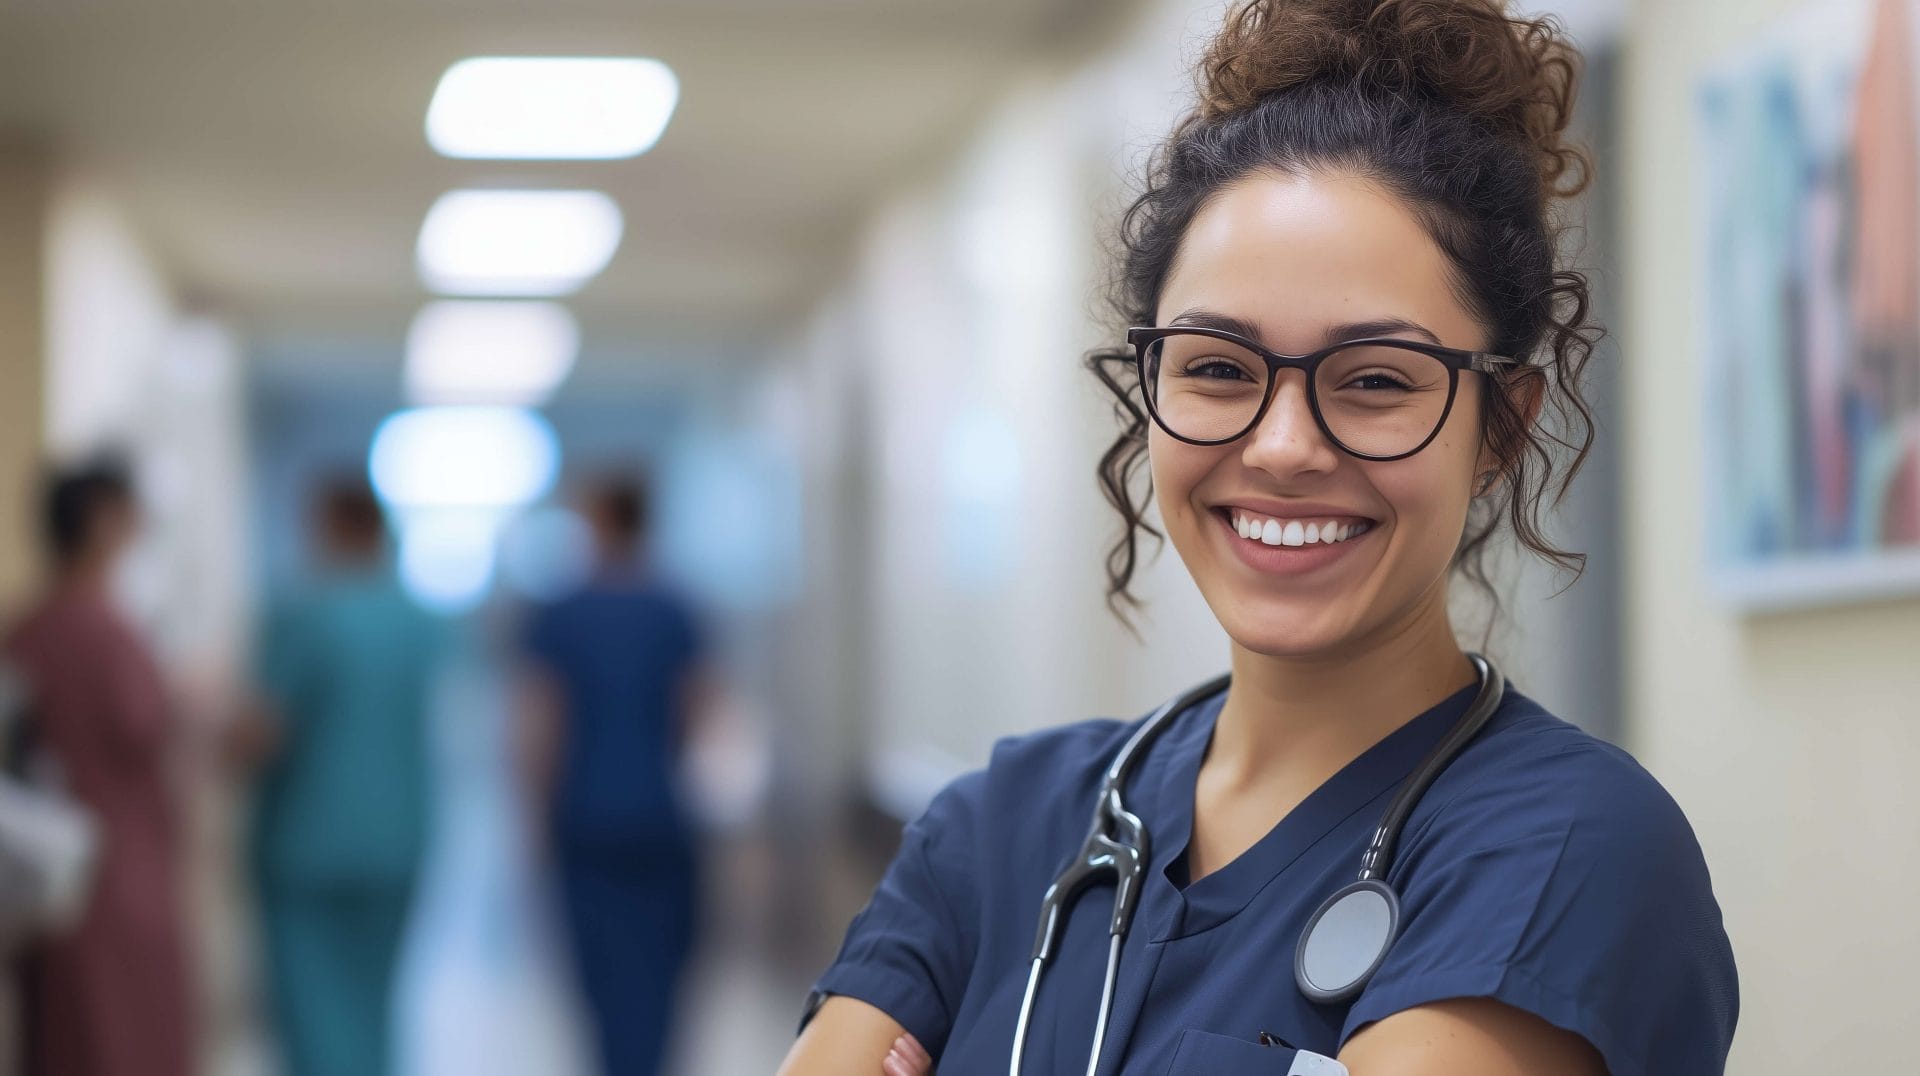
(1363,784)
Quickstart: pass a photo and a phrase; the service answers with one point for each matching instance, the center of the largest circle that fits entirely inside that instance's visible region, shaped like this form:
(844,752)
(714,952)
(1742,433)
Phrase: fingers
(915,1052)
(907,1058)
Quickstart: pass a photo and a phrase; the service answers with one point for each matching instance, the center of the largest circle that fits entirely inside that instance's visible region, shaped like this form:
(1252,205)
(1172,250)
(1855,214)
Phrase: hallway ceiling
(271,152)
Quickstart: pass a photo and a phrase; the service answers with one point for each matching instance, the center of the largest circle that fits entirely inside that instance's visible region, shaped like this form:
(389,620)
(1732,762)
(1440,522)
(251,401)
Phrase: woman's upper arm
(846,1037)
(1476,1035)
(910,951)
(1571,890)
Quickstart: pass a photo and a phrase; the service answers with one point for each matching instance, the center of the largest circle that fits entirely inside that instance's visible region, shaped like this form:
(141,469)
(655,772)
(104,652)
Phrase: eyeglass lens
(1375,400)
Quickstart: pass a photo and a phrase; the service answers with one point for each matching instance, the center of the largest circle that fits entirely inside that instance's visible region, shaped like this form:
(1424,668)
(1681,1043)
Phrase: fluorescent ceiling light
(466,351)
(488,242)
(551,108)
(463,457)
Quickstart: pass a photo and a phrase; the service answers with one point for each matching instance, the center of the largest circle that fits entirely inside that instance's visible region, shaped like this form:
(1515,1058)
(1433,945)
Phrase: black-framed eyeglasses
(1378,398)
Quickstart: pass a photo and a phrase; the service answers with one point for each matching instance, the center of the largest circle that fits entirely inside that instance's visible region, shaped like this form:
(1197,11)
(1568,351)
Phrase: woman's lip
(1304,510)
(1283,559)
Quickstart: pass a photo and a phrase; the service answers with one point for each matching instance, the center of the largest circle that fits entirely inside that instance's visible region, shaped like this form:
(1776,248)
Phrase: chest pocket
(1202,1053)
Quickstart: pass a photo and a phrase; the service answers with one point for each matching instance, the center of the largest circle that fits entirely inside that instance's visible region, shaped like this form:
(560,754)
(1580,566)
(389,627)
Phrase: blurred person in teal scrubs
(345,666)
(614,680)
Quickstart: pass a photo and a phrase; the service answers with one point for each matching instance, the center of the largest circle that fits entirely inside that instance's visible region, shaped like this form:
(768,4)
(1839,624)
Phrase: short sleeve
(1572,889)
(909,953)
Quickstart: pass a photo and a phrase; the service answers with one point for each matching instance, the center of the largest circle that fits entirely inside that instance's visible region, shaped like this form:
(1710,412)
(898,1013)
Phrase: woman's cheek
(1427,513)
(1175,474)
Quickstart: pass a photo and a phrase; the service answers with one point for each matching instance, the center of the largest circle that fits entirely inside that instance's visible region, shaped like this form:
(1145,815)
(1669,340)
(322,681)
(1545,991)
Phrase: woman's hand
(907,1058)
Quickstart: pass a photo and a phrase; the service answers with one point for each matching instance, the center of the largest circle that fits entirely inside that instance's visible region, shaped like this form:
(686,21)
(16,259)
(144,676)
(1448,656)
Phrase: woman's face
(1301,260)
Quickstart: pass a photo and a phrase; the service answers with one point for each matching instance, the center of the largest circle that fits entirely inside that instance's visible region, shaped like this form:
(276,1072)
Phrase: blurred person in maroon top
(113,996)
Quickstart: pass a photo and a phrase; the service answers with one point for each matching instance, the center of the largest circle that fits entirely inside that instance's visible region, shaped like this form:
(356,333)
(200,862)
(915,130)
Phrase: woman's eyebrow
(1356,330)
(1353,330)
(1207,319)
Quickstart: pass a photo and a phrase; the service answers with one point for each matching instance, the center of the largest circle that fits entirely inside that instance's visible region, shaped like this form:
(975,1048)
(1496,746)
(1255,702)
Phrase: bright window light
(551,108)
(489,352)
(527,243)
(463,457)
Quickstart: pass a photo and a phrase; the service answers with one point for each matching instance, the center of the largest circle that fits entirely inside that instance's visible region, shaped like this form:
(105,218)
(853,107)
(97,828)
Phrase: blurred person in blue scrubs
(346,664)
(611,684)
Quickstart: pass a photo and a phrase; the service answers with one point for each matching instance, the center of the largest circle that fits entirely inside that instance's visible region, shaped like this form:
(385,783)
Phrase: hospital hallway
(484,986)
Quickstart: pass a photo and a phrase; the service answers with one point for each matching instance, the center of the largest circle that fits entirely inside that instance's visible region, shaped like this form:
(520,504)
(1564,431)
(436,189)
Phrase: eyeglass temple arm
(1487,362)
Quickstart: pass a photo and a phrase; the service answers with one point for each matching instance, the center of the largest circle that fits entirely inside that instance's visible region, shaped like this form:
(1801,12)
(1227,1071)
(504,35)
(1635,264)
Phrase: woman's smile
(1291,541)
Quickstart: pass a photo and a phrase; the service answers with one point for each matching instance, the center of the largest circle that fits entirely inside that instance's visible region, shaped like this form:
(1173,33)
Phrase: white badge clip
(1308,1063)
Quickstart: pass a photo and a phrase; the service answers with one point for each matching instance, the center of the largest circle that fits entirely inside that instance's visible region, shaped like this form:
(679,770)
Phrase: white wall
(108,311)
(129,371)
(1792,740)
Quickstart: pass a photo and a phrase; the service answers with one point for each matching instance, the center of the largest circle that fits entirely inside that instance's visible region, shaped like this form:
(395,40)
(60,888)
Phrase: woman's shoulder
(1534,780)
(1078,749)
(1527,747)
(1030,779)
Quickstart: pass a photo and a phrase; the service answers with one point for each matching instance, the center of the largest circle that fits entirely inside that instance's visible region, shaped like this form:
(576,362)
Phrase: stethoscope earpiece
(1345,941)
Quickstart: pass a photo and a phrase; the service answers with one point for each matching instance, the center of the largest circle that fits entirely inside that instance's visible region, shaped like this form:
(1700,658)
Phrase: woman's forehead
(1295,254)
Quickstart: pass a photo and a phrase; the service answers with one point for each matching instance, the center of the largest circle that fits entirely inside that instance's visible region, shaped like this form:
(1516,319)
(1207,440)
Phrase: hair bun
(1515,75)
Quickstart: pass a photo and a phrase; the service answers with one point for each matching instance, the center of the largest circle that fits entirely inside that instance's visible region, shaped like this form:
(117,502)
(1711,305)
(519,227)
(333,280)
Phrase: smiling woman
(1352,358)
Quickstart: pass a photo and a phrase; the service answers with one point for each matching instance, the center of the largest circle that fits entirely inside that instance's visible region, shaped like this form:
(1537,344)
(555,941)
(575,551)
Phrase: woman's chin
(1286,629)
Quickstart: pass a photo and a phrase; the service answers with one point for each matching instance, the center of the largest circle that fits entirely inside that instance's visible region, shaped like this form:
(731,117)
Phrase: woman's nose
(1287,441)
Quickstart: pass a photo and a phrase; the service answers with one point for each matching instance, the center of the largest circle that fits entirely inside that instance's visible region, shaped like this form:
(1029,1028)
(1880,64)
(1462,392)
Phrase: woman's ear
(1526,391)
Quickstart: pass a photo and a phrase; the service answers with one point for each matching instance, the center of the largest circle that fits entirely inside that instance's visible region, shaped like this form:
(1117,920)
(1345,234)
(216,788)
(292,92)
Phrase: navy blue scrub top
(621,651)
(1544,869)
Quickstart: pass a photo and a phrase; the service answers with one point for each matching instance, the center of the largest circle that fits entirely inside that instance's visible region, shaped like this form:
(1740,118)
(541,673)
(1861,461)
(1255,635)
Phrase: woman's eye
(1214,369)
(1378,382)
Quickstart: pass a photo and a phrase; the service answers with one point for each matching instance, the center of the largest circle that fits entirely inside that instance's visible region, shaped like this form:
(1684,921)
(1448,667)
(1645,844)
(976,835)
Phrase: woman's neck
(1299,720)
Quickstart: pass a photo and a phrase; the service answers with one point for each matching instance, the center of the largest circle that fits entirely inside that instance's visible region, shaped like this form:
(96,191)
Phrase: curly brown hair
(1460,111)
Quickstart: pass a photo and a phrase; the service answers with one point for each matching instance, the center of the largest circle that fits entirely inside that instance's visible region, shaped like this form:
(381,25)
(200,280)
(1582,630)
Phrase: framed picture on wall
(1809,205)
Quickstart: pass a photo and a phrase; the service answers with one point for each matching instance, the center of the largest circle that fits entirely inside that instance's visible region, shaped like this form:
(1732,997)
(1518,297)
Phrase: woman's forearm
(846,1036)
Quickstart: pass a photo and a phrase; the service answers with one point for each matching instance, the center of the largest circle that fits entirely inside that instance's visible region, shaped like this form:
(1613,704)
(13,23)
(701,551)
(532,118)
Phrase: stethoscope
(1347,938)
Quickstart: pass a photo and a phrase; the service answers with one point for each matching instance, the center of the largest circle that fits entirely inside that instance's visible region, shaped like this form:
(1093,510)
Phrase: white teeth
(1294,532)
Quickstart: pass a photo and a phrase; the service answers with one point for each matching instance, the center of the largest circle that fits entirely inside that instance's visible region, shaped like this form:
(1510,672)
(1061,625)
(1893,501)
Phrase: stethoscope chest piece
(1345,941)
